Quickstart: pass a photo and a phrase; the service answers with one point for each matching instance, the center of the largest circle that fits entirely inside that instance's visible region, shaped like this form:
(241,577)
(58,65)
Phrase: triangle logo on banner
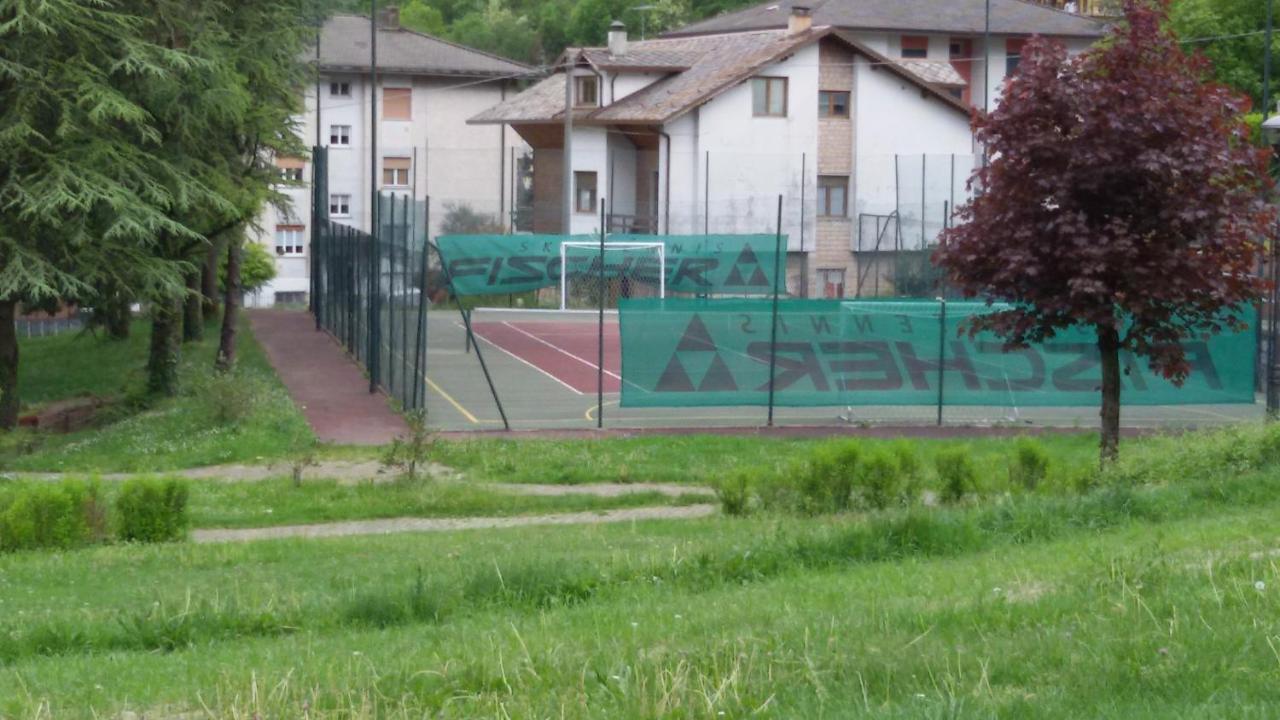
(718,377)
(747,259)
(674,378)
(696,337)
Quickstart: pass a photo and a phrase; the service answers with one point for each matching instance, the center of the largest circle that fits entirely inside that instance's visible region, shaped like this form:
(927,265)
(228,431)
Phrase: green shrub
(64,515)
(879,479)
(228,397)
(826,482)
(152,510)
(956,474)
(734,492)
(1030,465)
(904,452)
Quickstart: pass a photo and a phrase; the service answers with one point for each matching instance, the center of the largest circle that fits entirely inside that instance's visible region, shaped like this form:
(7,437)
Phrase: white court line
(571,388)
(559,349)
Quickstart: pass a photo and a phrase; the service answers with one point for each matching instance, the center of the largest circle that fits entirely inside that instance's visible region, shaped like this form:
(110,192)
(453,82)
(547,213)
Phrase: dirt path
(401,525)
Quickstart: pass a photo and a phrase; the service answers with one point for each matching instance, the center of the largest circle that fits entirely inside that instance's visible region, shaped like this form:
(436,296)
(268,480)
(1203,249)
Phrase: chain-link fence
(542,314)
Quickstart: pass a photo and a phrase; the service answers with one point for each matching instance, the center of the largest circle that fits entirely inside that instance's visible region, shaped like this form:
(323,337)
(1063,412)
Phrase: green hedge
(74,513)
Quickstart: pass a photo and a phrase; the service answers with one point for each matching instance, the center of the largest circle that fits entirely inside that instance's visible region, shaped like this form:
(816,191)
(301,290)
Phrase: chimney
(389,18)
(617,38)
(801,19)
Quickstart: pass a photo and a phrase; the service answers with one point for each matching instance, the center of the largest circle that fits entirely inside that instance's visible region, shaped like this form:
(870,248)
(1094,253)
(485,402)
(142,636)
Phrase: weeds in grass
(879,479)
(956,474)
(826,483)
(411,452)
(1030,464)
(734,492)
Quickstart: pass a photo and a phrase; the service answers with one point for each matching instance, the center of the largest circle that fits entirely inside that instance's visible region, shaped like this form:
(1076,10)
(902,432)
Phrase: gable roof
(1008,17)
(714,64)
(344,47)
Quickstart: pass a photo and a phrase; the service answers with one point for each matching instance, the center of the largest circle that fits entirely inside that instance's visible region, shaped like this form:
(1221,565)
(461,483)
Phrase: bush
(955,473)
(151,510)
(229,397)
(734,493)
(63,515)
(908,469)
(879,478)
(462,219)
(1030,464)
(826,483)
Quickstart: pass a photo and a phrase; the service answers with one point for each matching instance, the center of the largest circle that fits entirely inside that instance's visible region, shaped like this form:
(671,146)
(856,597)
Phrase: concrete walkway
(327,385)
(400,525)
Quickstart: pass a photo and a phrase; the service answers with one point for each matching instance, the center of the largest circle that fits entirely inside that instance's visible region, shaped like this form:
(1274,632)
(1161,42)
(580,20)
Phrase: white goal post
(594,248)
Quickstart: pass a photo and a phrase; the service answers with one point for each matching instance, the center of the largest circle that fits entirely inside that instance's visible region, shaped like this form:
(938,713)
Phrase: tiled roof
(934,72)
(344,46)
(1008,17)
(715,63)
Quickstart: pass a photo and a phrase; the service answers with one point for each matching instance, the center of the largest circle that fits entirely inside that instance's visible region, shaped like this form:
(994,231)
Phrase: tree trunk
(230,308)
(193,311)
(8,364)
(166,347)
(1109,355)
(209,276)
(114,313)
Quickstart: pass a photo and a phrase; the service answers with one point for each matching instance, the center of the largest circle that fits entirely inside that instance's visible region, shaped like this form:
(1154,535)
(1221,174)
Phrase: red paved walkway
(327,385)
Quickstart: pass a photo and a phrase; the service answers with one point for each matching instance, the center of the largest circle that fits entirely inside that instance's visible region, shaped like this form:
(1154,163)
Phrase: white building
(857,115)
(427,88)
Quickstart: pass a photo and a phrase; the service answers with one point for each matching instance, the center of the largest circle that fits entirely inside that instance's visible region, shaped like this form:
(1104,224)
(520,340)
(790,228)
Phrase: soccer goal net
(589,276)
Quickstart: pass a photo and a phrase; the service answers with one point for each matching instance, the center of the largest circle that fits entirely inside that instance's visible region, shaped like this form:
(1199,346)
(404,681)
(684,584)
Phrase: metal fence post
(600,331)
(942,352)
(778,259)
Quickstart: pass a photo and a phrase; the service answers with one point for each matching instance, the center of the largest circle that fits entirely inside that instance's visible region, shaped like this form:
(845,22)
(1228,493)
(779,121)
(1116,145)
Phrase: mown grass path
(402,525)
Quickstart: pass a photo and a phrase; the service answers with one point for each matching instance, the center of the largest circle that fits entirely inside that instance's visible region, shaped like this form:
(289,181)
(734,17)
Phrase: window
(1013,54)
(584,197)
(585,91)
(395,171)
(290,168)
(833,191)
(831,280)
(833,103)
(915,47)
(769,97)
(289,239)
(340,205)
(339,134)
(340,89)
(397,103)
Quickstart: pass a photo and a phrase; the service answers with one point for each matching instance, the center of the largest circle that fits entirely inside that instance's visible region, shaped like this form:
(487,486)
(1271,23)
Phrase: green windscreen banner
(688,352)
(689,264)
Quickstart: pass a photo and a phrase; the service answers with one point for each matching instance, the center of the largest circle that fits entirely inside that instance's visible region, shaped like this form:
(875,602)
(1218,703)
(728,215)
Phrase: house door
(831,280)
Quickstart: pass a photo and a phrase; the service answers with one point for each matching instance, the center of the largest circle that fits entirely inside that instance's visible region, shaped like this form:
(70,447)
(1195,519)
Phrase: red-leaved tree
(1122,194)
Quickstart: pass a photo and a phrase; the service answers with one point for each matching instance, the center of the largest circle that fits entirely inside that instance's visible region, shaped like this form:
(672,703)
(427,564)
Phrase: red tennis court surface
(565,350)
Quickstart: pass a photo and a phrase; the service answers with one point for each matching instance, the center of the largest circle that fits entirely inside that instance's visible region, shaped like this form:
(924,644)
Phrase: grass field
(1150,590)
(243,418)
(1157,602)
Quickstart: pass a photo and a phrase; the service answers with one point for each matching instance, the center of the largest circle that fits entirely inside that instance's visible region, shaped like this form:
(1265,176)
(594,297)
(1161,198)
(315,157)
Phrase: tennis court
(563,346)
(543,365)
